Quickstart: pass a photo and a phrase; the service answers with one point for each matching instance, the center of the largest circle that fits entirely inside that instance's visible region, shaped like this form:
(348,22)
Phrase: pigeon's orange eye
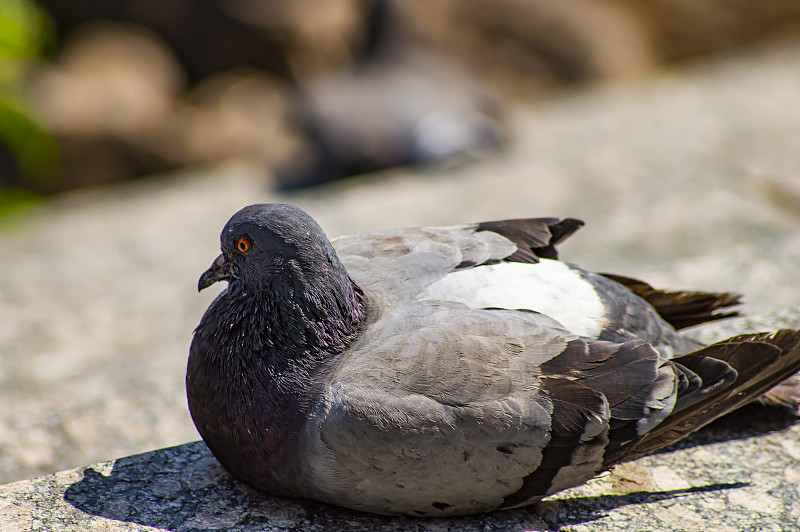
(243,245)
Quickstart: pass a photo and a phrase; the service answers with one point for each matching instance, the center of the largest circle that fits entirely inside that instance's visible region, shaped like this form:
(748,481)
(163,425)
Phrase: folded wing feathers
(712,376)
(578,437)
(654,402)
(756,361)
(618,371)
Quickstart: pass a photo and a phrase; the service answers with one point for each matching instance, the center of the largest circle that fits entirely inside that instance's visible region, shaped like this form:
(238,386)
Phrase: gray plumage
(371,372)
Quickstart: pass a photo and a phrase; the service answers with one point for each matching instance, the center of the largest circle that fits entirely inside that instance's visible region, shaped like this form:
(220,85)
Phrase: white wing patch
(549,287)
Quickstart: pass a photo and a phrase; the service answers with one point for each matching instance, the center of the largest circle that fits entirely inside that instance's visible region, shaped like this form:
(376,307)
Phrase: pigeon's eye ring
(243,245)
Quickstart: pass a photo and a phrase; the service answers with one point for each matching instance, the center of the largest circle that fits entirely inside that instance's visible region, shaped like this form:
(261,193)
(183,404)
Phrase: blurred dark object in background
(408,108)
(318,89)
(350,93)
(201,33)
(399,103)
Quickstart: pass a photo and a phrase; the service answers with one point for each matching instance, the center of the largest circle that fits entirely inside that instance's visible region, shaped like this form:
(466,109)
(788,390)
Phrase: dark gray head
(290,307)
(263,242)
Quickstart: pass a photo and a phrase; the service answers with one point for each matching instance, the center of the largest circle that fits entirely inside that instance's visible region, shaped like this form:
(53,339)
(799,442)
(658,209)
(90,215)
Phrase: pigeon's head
(266,241)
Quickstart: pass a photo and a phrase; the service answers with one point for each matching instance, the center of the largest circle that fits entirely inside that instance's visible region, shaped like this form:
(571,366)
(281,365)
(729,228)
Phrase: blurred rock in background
(203,34)
(681,29)
(315,90)
(525,47)
(241,112)
(108,99)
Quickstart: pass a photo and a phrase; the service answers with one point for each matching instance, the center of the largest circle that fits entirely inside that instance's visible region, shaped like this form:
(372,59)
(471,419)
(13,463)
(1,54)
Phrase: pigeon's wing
(505,264)
(411,259)
(440,409)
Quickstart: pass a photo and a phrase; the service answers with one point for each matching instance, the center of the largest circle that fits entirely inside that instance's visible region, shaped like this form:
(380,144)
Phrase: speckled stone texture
(688,180)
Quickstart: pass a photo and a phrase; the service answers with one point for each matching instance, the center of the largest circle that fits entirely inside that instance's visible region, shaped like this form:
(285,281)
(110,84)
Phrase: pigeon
(443,371)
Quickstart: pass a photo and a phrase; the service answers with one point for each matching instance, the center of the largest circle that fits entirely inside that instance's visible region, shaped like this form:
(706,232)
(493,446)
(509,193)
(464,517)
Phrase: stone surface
(687,180)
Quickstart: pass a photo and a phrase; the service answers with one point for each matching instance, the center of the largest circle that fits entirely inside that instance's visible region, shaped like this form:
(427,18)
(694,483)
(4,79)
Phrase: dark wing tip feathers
(536,238)
(744,367)
(709,383)
(682,309)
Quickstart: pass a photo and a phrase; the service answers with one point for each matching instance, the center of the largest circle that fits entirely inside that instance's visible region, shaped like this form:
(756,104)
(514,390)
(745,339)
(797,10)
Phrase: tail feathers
(680,308)
(733,372)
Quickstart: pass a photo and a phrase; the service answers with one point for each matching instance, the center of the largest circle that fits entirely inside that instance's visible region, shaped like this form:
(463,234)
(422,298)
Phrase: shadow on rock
(577,510)
(184,488)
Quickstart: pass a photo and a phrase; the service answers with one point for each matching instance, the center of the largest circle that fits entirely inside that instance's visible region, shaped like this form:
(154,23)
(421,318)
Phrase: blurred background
(131,130)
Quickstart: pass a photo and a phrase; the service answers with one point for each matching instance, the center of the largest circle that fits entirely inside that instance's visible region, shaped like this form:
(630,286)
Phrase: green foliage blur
(26,32)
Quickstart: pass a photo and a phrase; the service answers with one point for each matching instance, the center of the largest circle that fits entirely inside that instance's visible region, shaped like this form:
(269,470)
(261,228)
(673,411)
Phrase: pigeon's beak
(219,271)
